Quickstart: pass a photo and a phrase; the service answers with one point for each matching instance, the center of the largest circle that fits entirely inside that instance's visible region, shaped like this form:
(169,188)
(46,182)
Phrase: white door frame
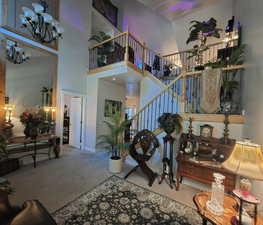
(73,94)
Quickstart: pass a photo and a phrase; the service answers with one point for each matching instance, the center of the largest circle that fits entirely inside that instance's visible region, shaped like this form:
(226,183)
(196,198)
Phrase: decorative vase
(115,165)
(31,131)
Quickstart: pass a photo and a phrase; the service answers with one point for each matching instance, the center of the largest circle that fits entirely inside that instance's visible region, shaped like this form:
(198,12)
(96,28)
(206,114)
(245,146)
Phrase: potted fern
(170,123)
(114,141)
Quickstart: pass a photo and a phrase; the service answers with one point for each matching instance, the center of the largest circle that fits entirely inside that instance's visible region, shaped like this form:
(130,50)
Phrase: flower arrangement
(33,116)
(34,121)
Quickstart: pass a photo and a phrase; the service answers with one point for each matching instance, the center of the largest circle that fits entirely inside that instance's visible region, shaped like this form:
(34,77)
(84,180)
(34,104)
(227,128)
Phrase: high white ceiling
(172,9)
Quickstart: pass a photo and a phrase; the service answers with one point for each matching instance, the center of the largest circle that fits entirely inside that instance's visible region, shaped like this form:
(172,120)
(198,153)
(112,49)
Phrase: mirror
(30,85)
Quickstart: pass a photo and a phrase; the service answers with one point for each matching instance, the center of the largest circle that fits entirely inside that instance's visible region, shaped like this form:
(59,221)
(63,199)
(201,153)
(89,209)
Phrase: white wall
(148,26)
(75,17)
(110,91)
(250,14)
(221,11)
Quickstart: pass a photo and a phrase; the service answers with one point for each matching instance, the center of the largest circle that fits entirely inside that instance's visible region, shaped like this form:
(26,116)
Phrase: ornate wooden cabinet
(201,167)
(202,172)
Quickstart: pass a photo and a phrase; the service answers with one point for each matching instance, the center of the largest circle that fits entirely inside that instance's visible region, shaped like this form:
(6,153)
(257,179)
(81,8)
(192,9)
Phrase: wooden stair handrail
(164,90)
(183,75)
(108,40)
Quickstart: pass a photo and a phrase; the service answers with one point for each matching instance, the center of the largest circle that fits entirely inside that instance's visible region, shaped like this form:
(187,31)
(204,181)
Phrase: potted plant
(170,123)
(104,49)
(7,165)
(229,82)
(201,31)
(114,141)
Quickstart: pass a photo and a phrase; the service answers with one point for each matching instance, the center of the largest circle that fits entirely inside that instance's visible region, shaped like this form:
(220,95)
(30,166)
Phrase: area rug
(116,202)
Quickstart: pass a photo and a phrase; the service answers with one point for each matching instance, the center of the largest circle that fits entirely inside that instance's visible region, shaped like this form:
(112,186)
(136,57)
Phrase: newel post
(126,56)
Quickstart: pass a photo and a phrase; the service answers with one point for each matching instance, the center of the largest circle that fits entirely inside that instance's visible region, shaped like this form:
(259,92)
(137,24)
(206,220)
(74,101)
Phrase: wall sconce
(8,112)
(40,24)
(14,53)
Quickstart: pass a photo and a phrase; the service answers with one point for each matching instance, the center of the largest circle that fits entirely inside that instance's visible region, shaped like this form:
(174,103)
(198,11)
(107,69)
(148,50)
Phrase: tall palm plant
(114,141)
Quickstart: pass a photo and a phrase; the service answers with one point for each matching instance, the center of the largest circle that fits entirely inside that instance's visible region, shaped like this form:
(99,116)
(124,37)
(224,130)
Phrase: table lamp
(9,109)
(246,160)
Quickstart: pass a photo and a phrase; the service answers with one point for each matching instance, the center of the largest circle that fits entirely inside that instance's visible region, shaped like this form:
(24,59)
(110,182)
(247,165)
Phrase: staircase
(174,73)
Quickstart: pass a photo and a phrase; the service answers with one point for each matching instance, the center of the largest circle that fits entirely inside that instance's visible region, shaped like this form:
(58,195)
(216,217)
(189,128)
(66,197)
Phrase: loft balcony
(126,50)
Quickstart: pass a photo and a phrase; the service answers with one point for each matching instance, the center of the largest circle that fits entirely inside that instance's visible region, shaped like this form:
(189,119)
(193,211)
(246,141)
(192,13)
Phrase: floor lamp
(246,160)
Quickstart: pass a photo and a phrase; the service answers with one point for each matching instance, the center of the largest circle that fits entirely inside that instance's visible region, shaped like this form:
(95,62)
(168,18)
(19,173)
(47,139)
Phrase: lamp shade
(246,160)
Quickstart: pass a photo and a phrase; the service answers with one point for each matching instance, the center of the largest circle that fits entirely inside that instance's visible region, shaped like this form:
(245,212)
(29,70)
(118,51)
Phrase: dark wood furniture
(202,171)
(42,145)
(168,157)
(201,167)
(66,127)
(141,150)
(230,203)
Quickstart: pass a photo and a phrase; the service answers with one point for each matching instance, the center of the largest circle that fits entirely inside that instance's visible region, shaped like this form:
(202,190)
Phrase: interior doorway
(73,115)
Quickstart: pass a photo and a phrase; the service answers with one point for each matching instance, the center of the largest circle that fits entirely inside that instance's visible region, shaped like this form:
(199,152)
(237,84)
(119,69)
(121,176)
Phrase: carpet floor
(117,201)
(59,181)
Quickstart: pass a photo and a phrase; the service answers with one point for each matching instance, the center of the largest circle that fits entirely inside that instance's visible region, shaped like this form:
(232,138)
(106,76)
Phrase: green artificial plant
(104,49)
(114,141)
(170,122)
(206,29)
(229,82)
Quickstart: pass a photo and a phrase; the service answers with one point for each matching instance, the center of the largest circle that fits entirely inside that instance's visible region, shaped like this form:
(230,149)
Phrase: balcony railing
(126,47)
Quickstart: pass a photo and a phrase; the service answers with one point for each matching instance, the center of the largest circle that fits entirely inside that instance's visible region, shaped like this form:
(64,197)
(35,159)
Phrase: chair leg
(133,170)
(148,172)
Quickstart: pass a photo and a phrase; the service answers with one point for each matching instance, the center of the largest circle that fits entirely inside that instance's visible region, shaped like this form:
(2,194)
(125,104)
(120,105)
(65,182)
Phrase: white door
(75,122)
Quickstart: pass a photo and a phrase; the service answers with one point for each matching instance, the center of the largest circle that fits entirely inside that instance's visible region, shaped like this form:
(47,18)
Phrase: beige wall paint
(250,15)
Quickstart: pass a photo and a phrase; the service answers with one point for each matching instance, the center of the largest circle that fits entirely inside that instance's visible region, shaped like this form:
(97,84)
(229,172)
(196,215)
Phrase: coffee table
(230,203)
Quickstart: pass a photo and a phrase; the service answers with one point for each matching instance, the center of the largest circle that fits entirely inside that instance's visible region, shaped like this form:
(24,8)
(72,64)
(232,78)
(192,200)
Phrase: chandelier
(40,24)
(14,53)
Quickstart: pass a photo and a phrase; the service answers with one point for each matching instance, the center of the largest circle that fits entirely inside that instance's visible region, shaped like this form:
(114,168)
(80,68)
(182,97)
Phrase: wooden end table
(230,202)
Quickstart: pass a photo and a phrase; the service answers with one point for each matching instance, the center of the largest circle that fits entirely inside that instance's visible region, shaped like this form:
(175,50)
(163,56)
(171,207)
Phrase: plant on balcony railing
(104,49)
(201,31)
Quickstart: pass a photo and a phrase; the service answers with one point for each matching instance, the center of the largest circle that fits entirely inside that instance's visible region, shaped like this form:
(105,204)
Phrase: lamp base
(215,208)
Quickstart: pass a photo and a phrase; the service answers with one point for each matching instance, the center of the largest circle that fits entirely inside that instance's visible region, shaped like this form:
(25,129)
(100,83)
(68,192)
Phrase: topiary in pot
(170,122)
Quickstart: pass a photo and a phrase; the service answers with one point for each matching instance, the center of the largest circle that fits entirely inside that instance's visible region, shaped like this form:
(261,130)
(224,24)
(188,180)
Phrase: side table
(230,202)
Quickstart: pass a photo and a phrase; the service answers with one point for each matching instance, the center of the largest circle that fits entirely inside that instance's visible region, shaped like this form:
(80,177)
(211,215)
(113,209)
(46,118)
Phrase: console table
(32,146)
(202,171)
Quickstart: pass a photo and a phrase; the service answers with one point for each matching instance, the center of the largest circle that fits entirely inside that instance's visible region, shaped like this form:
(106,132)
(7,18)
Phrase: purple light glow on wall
(182,5)
(72,17)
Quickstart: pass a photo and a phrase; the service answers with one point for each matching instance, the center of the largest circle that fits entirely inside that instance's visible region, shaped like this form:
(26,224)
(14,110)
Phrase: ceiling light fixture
(14,53)
(40,24)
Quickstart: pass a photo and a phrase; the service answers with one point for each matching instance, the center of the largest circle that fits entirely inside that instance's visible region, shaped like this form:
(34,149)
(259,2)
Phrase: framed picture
(112,107)
(206,131)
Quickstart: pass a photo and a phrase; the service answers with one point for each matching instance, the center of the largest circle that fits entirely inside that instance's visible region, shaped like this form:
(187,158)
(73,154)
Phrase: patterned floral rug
(116,202)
